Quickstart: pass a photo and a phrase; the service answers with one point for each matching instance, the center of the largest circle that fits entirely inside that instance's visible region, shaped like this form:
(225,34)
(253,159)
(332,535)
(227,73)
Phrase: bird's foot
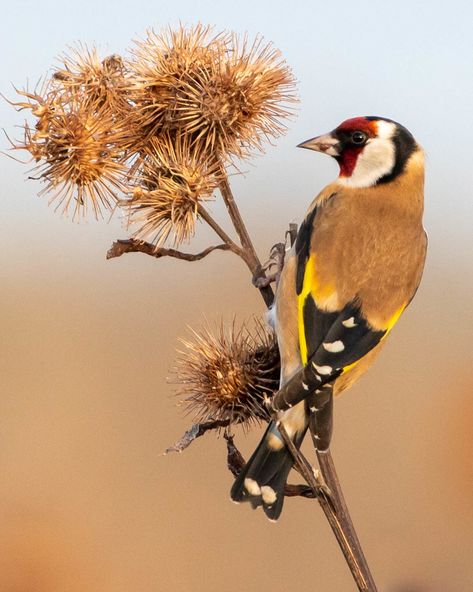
(276,260)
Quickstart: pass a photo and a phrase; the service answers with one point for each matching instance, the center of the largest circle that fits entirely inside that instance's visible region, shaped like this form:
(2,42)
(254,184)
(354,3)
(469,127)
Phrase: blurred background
(87,501)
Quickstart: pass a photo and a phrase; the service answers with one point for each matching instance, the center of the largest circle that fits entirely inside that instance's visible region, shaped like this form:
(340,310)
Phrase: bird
(353,269)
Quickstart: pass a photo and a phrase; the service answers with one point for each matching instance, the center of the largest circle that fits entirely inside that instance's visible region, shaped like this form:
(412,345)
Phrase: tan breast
(368,244)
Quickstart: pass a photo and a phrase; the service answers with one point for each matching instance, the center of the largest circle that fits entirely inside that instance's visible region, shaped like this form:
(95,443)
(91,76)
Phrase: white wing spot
(349,323)
(323,370)
(334,347)
(305,387)
(252,487)
(313,409)
(268,494)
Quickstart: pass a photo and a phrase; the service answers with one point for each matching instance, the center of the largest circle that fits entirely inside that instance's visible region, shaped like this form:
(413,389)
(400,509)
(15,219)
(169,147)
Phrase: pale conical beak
(327,144)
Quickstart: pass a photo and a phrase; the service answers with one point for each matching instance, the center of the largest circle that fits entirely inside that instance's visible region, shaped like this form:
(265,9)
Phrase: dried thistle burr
(228,375)
(227,94)
(101,82)
(172,177)
(76,149)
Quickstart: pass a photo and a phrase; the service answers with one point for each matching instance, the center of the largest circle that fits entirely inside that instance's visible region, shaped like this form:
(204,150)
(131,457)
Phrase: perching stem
(249,253)
(327,468)
(327,501)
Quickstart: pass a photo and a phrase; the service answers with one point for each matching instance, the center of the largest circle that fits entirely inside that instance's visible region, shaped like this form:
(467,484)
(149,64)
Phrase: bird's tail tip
(262,480)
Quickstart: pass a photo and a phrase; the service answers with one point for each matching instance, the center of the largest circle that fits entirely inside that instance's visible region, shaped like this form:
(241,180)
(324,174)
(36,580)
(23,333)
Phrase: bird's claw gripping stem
(276,259)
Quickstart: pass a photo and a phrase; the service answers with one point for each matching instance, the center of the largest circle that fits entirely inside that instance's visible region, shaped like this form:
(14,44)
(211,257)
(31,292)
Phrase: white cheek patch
(377,159)
(385,129)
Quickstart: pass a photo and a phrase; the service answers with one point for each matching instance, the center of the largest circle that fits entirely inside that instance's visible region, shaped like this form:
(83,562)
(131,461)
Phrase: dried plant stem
(195,431)
(327,468)
(219,231)
(250,257)
(327,502)
(120,247)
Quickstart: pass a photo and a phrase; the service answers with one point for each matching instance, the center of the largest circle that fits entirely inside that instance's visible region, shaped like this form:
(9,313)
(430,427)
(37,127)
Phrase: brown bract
(173,175)
(227,375)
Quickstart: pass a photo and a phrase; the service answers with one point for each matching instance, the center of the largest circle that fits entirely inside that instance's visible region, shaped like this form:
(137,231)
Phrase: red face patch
(350,152)
(347,160)
(359,124)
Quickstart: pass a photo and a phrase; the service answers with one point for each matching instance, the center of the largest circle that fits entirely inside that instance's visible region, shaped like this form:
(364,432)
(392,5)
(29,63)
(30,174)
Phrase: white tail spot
(268,494)
(252,487)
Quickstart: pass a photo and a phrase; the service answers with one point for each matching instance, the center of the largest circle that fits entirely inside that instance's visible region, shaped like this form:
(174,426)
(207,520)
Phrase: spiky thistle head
(227,94)
(76,150)
(101,82)
(246,100)
(172,176)
(229,374)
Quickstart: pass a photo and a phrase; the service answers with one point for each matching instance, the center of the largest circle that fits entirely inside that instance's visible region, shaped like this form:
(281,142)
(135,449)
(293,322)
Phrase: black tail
(262,479)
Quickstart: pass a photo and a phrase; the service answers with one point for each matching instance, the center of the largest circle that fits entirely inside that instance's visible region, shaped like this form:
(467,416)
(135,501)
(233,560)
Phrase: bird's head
(369,150)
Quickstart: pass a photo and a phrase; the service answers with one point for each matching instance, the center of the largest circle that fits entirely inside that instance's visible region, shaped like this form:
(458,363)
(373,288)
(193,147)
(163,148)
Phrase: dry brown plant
(75,150)
(228,374)
(174,176)
(154,134)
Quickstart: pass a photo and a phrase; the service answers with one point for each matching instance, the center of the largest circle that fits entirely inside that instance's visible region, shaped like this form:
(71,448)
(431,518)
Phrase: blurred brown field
(88,502)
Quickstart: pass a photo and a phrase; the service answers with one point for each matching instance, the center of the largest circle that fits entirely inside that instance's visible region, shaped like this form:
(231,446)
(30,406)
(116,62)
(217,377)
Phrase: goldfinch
(354,268)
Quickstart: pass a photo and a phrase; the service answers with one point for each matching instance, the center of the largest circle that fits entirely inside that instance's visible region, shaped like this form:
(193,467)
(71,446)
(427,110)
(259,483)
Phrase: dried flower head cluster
(77,152)
(174,176)
(225,93)
(77,138)
(228,375)
(160,125)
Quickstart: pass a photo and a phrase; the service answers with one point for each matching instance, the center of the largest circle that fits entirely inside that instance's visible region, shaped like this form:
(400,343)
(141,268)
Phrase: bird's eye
(358,138)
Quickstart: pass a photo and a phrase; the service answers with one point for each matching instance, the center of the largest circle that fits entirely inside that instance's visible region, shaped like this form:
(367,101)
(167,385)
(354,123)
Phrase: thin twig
(249,255)
(327,468)
(327,503)
(204,214)
(195,431)
(120,247)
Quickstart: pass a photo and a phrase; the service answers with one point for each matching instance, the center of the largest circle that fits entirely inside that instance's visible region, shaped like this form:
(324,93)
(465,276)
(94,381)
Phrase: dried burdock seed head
(244,101)
(164,69)
(228,95)
(228,375)
(174,174)
(76,151)
(101,82)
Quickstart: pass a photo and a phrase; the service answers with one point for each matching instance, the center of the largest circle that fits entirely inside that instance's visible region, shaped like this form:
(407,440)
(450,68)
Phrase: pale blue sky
(411,61)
